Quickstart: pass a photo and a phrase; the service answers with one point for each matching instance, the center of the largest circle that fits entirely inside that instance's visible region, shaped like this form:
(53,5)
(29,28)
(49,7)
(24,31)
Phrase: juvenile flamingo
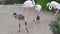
(20,17)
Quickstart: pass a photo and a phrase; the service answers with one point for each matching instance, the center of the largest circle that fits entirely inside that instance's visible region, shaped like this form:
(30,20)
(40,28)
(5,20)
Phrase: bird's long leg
(56,12)
(38,17)
(26,26)
(19,26)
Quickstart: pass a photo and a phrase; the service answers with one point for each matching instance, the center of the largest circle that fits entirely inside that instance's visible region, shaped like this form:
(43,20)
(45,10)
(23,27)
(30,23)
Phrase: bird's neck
(33,2)
(48,4)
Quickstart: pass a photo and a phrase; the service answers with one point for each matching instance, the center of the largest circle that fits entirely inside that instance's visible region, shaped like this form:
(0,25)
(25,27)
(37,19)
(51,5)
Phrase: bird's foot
(27,31)
(19,31)
(37,22)
(33,20)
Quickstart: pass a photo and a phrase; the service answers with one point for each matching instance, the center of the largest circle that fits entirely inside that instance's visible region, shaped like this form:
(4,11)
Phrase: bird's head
(47,5)
(14,14)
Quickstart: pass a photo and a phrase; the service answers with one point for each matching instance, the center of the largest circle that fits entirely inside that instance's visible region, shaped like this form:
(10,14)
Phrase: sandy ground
(9,25)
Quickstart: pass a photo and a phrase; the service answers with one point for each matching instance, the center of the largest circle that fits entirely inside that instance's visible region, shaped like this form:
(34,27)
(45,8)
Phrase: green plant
(14,1)
(9,1)
(44,2)
(55,27)
(58,18)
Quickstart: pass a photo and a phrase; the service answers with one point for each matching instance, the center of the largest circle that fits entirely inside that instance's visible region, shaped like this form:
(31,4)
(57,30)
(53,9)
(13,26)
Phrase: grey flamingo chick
(20,17)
